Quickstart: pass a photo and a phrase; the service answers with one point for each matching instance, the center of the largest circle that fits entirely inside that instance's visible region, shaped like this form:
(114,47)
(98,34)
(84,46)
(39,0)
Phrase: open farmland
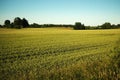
(59,54)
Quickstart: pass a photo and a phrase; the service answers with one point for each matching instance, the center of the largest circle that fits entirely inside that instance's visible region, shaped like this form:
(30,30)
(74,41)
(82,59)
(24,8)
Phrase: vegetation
(23,23)
(18,23)
(35,25)
(59,54)
(79,26)
(7,23)
(106,26)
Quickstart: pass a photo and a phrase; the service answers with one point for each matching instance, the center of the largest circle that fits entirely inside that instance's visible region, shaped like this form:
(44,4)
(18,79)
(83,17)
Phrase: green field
(59,54)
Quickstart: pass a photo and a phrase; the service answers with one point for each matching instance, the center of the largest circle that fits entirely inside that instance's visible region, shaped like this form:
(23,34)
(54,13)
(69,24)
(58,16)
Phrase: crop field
(59,54)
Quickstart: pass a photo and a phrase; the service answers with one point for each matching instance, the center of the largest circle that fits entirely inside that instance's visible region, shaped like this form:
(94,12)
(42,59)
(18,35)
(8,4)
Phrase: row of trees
(35,25)
(77,26)
(18,23)
(23,23)
(107,25)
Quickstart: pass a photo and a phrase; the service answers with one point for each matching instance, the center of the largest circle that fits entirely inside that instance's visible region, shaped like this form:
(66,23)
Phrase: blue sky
(89,12)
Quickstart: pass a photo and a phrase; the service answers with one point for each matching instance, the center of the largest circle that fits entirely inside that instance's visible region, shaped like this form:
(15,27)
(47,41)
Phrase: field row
(59,54)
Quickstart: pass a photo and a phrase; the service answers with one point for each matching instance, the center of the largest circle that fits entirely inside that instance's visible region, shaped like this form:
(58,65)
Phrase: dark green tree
(25,23)
(118,25)
(18,23)
(106,25)
(12,25)
(7,23)
(79,26)
(0,26)
(83,27)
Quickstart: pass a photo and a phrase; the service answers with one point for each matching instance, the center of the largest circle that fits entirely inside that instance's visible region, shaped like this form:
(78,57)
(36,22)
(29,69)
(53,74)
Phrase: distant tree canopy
(79,26)
(18,23)
(23,23)
(35,25)
(7,23)
(0,26)
(106,25)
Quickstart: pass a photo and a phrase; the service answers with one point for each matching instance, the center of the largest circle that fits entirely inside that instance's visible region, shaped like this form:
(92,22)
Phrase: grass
(59,54)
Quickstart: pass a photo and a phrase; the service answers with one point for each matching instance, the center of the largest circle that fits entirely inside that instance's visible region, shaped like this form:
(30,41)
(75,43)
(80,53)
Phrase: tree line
(23,23)
(18,23)
(106,25)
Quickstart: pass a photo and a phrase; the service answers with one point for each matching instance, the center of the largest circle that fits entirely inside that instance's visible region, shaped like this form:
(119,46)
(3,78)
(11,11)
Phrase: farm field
(59,54)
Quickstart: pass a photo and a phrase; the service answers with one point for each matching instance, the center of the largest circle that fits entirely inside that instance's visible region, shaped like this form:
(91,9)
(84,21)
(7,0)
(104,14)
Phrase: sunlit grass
(58,53)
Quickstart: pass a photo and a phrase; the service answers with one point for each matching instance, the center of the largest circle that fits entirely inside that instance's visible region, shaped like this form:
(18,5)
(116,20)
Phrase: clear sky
(89,12)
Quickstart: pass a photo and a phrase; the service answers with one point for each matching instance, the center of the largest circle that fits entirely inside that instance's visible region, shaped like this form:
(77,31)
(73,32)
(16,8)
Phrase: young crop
(59,54)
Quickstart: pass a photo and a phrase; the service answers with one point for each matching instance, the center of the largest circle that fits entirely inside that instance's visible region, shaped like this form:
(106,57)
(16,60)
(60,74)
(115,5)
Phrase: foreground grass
(59,54)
